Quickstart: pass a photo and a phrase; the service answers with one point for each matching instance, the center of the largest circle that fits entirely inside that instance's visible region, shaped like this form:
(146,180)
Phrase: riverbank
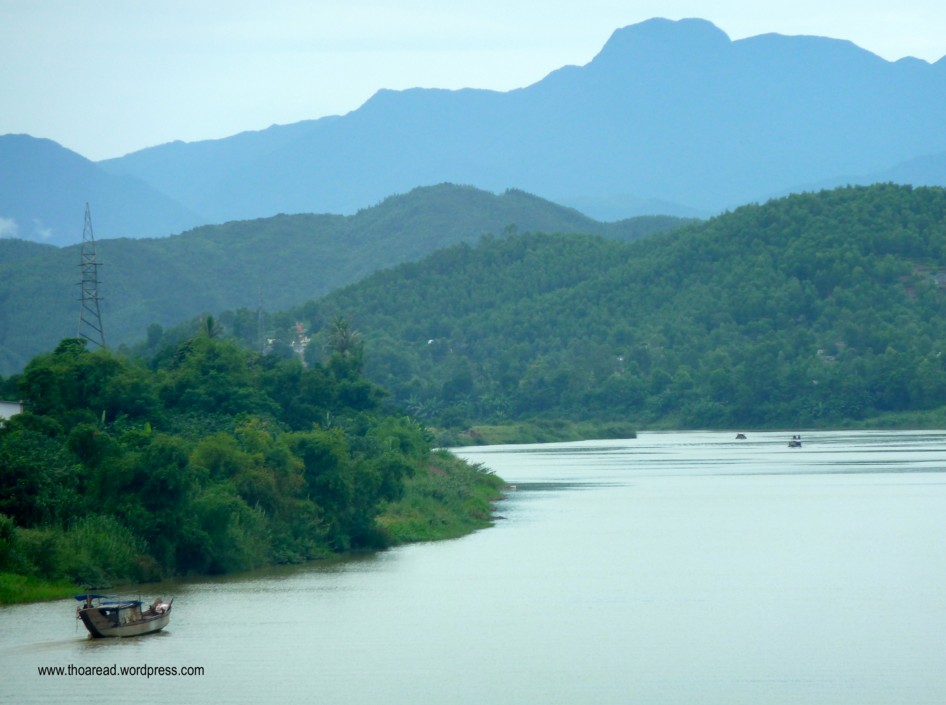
(563,430)
(450,499)
(535,431)
(445,499)
(17,589)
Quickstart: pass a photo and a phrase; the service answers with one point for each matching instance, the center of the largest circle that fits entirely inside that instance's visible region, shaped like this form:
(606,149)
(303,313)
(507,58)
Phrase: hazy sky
(109,77)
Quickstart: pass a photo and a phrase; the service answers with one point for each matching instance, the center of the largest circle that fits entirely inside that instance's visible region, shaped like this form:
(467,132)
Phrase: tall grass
(448,499)
(94,551)
(21,588)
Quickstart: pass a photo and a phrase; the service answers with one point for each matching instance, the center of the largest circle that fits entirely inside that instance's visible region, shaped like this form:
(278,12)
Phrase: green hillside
(816,309)
(273,263)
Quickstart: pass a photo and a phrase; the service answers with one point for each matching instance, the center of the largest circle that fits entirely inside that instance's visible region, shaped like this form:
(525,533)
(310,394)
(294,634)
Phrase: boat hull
(100,625)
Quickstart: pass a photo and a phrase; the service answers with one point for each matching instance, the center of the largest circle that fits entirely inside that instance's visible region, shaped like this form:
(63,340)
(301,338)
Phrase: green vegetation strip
(541,431)
(21,588)
(449,498)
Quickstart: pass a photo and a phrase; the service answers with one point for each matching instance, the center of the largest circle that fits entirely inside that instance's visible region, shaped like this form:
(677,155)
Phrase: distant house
(8,409)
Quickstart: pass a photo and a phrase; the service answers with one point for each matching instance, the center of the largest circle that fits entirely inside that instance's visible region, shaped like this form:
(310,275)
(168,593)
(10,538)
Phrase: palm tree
(211,327)
(345,348)
(345,340)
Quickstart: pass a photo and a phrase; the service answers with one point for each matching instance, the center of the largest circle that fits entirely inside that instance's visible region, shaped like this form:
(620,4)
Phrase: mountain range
(670,117)
(45,188)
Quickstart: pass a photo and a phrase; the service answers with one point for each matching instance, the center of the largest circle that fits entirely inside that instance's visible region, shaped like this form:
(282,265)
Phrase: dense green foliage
(270,263)
(210,460)
(816,309)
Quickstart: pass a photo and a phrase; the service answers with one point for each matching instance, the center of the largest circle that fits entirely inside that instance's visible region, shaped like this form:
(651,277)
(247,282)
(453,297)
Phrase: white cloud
(42,232)
(8,227)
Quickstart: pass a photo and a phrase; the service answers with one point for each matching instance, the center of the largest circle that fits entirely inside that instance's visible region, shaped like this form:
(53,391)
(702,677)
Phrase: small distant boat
(740,436)
(795,442)
(105,617)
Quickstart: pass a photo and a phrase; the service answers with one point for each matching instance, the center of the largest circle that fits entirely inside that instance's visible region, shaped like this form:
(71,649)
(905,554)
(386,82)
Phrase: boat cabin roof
(120,604)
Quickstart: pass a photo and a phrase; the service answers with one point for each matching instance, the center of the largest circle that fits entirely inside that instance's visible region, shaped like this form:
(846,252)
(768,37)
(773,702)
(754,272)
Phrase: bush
(7,542)
(99,550)
(96,550)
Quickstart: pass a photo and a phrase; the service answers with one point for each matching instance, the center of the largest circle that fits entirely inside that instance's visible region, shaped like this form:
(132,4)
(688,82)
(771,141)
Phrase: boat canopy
(92,596)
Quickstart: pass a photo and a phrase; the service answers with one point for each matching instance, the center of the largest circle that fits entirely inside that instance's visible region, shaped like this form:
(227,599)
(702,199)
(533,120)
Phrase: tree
(346,349)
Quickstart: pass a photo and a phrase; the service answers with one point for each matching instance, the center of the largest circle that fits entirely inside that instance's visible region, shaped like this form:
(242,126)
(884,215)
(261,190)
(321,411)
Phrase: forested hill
(272,263)
(810,310)
(213,460)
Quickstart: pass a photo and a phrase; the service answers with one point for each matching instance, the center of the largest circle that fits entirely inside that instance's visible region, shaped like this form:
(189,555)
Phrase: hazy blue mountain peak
(671,116)
(661,37)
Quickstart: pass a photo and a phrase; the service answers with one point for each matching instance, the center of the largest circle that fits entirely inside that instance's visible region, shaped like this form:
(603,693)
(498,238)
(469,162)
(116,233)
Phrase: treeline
(210,459)
(813,310)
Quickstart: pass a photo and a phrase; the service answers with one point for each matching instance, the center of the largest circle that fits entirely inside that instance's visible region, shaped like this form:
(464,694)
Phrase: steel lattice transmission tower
(90,315)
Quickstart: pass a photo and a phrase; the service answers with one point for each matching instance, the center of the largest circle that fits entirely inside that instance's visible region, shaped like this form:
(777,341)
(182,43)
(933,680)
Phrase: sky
(108,77)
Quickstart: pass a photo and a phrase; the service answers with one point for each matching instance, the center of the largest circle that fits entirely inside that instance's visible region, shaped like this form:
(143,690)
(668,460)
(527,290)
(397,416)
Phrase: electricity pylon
(90,316)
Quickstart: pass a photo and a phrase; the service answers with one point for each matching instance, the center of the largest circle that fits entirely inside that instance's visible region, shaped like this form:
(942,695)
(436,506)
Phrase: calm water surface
(672,569)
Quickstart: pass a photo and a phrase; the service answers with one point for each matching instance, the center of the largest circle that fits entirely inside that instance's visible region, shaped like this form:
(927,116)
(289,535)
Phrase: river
(676,568)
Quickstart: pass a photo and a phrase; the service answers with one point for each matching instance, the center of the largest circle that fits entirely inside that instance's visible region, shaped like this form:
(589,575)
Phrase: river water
(675,568)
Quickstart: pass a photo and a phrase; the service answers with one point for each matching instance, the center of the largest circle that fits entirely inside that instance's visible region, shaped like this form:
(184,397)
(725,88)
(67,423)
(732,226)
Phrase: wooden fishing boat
(105,617)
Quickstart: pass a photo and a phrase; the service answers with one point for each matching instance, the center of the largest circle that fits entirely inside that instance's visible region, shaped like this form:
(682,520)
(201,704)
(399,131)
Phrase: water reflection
(558,486)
